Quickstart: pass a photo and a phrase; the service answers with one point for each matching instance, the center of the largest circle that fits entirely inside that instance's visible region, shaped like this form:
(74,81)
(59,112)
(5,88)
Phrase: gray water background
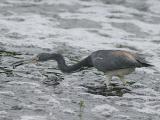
(75,28)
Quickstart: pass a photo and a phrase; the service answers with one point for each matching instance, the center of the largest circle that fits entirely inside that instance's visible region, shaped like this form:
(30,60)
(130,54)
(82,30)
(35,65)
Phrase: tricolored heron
(111,62)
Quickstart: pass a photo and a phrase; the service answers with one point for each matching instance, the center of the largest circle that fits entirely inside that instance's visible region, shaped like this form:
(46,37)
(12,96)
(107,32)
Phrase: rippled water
(76,28)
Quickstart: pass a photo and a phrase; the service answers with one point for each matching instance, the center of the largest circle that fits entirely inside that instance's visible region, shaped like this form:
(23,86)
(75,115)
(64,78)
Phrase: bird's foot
(107,85)
(130,82)
(127,83)
(110,86)
(123,81)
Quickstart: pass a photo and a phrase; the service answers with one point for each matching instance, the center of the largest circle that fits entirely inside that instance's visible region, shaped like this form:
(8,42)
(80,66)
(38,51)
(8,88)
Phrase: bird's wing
(114,60)
(127,59)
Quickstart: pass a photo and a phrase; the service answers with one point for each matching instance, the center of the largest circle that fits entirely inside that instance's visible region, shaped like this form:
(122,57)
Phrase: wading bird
(112,62)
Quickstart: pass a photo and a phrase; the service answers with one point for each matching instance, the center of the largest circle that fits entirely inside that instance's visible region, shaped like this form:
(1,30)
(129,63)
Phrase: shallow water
(76,28)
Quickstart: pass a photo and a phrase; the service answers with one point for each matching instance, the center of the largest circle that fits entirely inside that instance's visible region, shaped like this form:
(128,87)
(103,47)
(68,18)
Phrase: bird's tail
(147,65)
(143,62)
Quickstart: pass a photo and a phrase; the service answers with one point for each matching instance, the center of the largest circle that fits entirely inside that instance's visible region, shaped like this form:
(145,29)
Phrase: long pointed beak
(22,62)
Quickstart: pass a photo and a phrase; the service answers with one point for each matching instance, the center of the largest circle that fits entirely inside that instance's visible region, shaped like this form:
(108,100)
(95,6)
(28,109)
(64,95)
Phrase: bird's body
(111,62)
(117,63)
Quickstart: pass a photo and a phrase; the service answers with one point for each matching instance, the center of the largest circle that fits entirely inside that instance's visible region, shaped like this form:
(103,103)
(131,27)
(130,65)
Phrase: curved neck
(68,69)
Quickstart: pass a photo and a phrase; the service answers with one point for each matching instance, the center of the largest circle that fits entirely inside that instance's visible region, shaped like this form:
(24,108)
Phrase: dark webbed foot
(113,90)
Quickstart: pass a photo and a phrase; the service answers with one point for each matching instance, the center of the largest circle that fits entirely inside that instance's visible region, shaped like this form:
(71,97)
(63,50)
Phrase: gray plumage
(111,62)
(108,60)
(117,63)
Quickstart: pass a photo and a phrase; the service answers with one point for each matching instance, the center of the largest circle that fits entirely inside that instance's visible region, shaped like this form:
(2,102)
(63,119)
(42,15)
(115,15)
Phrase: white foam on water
(9,93)
(53,101)
(69,111)
(149,110)
(154,6)
(27,83)
(29,117)
(104,109)
(34,27)
(3,112)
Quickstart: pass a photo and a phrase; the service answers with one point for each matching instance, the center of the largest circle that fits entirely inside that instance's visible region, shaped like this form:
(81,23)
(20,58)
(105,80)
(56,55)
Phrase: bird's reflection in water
(114,90)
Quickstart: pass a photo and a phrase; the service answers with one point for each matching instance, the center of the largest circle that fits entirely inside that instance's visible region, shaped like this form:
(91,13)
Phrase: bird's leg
(108,80)
(123,81)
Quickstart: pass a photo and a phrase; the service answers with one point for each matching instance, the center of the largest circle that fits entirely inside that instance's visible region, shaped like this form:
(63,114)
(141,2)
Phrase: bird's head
(39,58)
(47,56)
